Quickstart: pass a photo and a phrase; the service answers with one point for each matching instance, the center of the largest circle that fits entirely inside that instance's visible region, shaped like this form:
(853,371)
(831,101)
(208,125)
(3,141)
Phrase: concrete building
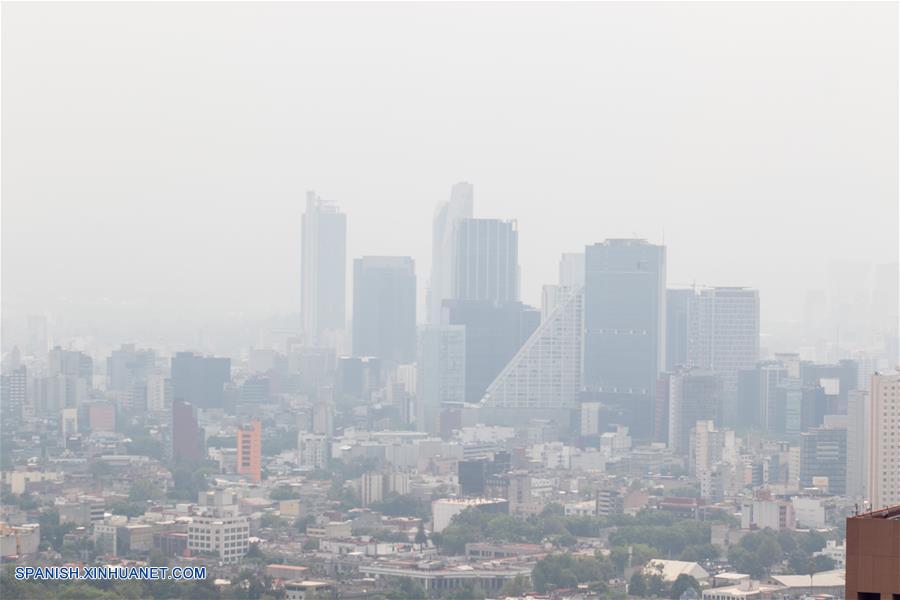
(187,437)
(873,552)
(823,458)
(694,395)
(222,532)
(313,450)
(884,441)
(200,380)
(249,451)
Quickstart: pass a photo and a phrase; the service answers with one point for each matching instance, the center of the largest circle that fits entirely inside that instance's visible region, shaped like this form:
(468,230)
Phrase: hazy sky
(157,155)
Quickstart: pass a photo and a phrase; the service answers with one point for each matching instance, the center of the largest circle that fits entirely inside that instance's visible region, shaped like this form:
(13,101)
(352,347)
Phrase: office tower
(200,380)
(838,380)
(873,555)
(441,376)
(679,310)
(444,246)
(884,441)
(694,395)
(823,458)
(384,308)
(545,373)
(725,337)
(858,423)
(13,397)
(571,270)
(324,268)
(487,261)
(249,451)
(758,395)
(187,438)
(159,393)
(494,333)
(128,367)
(625,329)
(358,377)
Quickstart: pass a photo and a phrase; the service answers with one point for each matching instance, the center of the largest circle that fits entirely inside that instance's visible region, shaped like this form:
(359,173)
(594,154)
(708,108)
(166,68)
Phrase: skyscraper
(545,373)
(444,246)
(487,261)
(200,380)
(128,367)
(858,423)
(884,441)
(823,455)
(384,308)
(494,333)
(249,450)
(324,268)
(571,270)
(625,326)
(725,337)
(441,376)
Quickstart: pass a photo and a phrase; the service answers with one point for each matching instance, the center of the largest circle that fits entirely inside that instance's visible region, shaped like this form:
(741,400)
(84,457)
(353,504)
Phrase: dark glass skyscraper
(487,260)
(200,380)
(625,326)
(384,308)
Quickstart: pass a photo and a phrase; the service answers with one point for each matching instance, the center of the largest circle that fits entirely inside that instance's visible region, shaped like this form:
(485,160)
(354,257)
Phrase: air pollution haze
(157,154)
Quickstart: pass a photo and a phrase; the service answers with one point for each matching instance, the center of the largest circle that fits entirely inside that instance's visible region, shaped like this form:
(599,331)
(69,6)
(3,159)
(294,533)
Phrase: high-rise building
(313,450)
(444,246)
(13,397)
(384,308)
(187,438)
(128,367)
(725,337)
(545,373)
(487,261)
(858,423)
(694,395)
(679,310)
(371,488)
(884,441)
(823,457)
(324,268)
(441,376)
(625,328)
(249,450)
(494,333)
(200,380)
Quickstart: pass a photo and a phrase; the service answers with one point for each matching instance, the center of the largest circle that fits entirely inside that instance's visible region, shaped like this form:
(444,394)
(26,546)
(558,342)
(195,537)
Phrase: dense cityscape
(624,438)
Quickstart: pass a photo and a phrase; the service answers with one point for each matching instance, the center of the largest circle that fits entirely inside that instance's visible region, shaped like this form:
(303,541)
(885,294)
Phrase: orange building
(873,555)
(249,450)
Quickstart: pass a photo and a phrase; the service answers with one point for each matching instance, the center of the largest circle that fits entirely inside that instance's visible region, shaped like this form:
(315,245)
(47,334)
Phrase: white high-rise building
(884,441)
(323,268)
(443,246)
(313,451)
(546,371)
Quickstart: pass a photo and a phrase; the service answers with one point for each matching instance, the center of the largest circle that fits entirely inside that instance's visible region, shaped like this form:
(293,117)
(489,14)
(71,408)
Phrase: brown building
(249,450)
(873,555)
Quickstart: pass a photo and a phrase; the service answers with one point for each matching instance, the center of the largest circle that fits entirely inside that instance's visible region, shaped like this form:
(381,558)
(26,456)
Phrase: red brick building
(873,555)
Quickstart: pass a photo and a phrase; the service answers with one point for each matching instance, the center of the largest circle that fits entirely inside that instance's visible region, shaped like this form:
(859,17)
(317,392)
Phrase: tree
(421,537)
(683,583)
(406,589)
(466,592)
(516,586)
(637,585)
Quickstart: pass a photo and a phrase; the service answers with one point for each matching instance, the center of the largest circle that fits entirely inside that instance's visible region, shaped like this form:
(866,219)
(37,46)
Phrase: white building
(443,246)
(312,450)
(884,441)
(223,533)
(809,512)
